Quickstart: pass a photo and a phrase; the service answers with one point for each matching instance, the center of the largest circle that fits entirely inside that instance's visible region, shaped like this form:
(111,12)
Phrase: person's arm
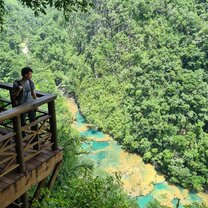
(33,92)
(32,86)
(34,95)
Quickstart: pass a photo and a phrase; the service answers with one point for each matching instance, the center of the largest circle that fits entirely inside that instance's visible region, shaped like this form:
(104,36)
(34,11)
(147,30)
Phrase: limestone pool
(139,180)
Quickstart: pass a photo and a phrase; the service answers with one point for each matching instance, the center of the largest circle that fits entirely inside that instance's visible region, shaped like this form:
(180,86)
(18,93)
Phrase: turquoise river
(140,180)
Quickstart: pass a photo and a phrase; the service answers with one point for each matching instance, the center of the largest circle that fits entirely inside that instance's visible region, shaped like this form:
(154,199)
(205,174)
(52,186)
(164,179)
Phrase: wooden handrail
(26,107)
(5,86)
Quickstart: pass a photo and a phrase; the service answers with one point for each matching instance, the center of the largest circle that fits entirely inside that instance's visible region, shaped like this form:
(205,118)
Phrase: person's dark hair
(26,70)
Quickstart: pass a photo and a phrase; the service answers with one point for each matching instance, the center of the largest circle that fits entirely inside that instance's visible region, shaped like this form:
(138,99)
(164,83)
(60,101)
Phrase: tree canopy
(138,69)
(40,6)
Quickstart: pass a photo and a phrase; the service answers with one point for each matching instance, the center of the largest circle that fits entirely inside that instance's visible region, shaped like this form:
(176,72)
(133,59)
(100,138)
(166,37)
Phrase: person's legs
(23,119)
(32,115)
(23,123)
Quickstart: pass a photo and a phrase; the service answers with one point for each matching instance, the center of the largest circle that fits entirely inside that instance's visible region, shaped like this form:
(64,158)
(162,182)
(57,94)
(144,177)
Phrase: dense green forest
(139,71)
(77,185)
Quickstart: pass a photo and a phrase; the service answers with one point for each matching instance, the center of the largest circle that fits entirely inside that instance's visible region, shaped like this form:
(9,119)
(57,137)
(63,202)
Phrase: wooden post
(54,175)
(24,201)
(37,192)
(19,144)
(53,126)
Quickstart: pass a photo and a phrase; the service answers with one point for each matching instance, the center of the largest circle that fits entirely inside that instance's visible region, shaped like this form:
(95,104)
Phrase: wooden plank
(12,167)
(29,167)
(45,156)
(48,152)
(28,137)
(34,161)
(47,145)
(8,153)
(40,158)
(4,150)
(7,179)
(9,135)
(13,175)
(29,156)
(24,183)
(42,118)
(5,159)
(42,142)
(5,130)
(30,145)
(3,184)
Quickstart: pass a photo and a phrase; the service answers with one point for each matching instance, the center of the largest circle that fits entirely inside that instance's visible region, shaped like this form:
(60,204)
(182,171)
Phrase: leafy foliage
(138,69)
(90,192)
(40,6)
(76,185)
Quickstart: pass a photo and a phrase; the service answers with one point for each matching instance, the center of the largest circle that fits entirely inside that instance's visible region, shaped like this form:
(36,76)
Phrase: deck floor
(14,184)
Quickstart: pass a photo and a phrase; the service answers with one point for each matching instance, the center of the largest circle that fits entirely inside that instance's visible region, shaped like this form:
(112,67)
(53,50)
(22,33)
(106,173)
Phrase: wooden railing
(18,144)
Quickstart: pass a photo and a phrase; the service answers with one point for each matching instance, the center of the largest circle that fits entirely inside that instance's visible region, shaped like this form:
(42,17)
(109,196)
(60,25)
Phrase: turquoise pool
(108,153)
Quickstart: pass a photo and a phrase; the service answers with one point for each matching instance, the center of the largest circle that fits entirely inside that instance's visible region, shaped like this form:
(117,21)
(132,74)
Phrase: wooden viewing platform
(30,153)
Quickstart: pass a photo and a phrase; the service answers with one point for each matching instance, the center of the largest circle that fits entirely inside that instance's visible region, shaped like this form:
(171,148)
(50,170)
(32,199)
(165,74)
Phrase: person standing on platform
(24,92)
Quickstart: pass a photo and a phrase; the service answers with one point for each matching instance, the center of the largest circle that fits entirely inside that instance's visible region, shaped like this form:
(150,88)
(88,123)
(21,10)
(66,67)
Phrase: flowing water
(139,179)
